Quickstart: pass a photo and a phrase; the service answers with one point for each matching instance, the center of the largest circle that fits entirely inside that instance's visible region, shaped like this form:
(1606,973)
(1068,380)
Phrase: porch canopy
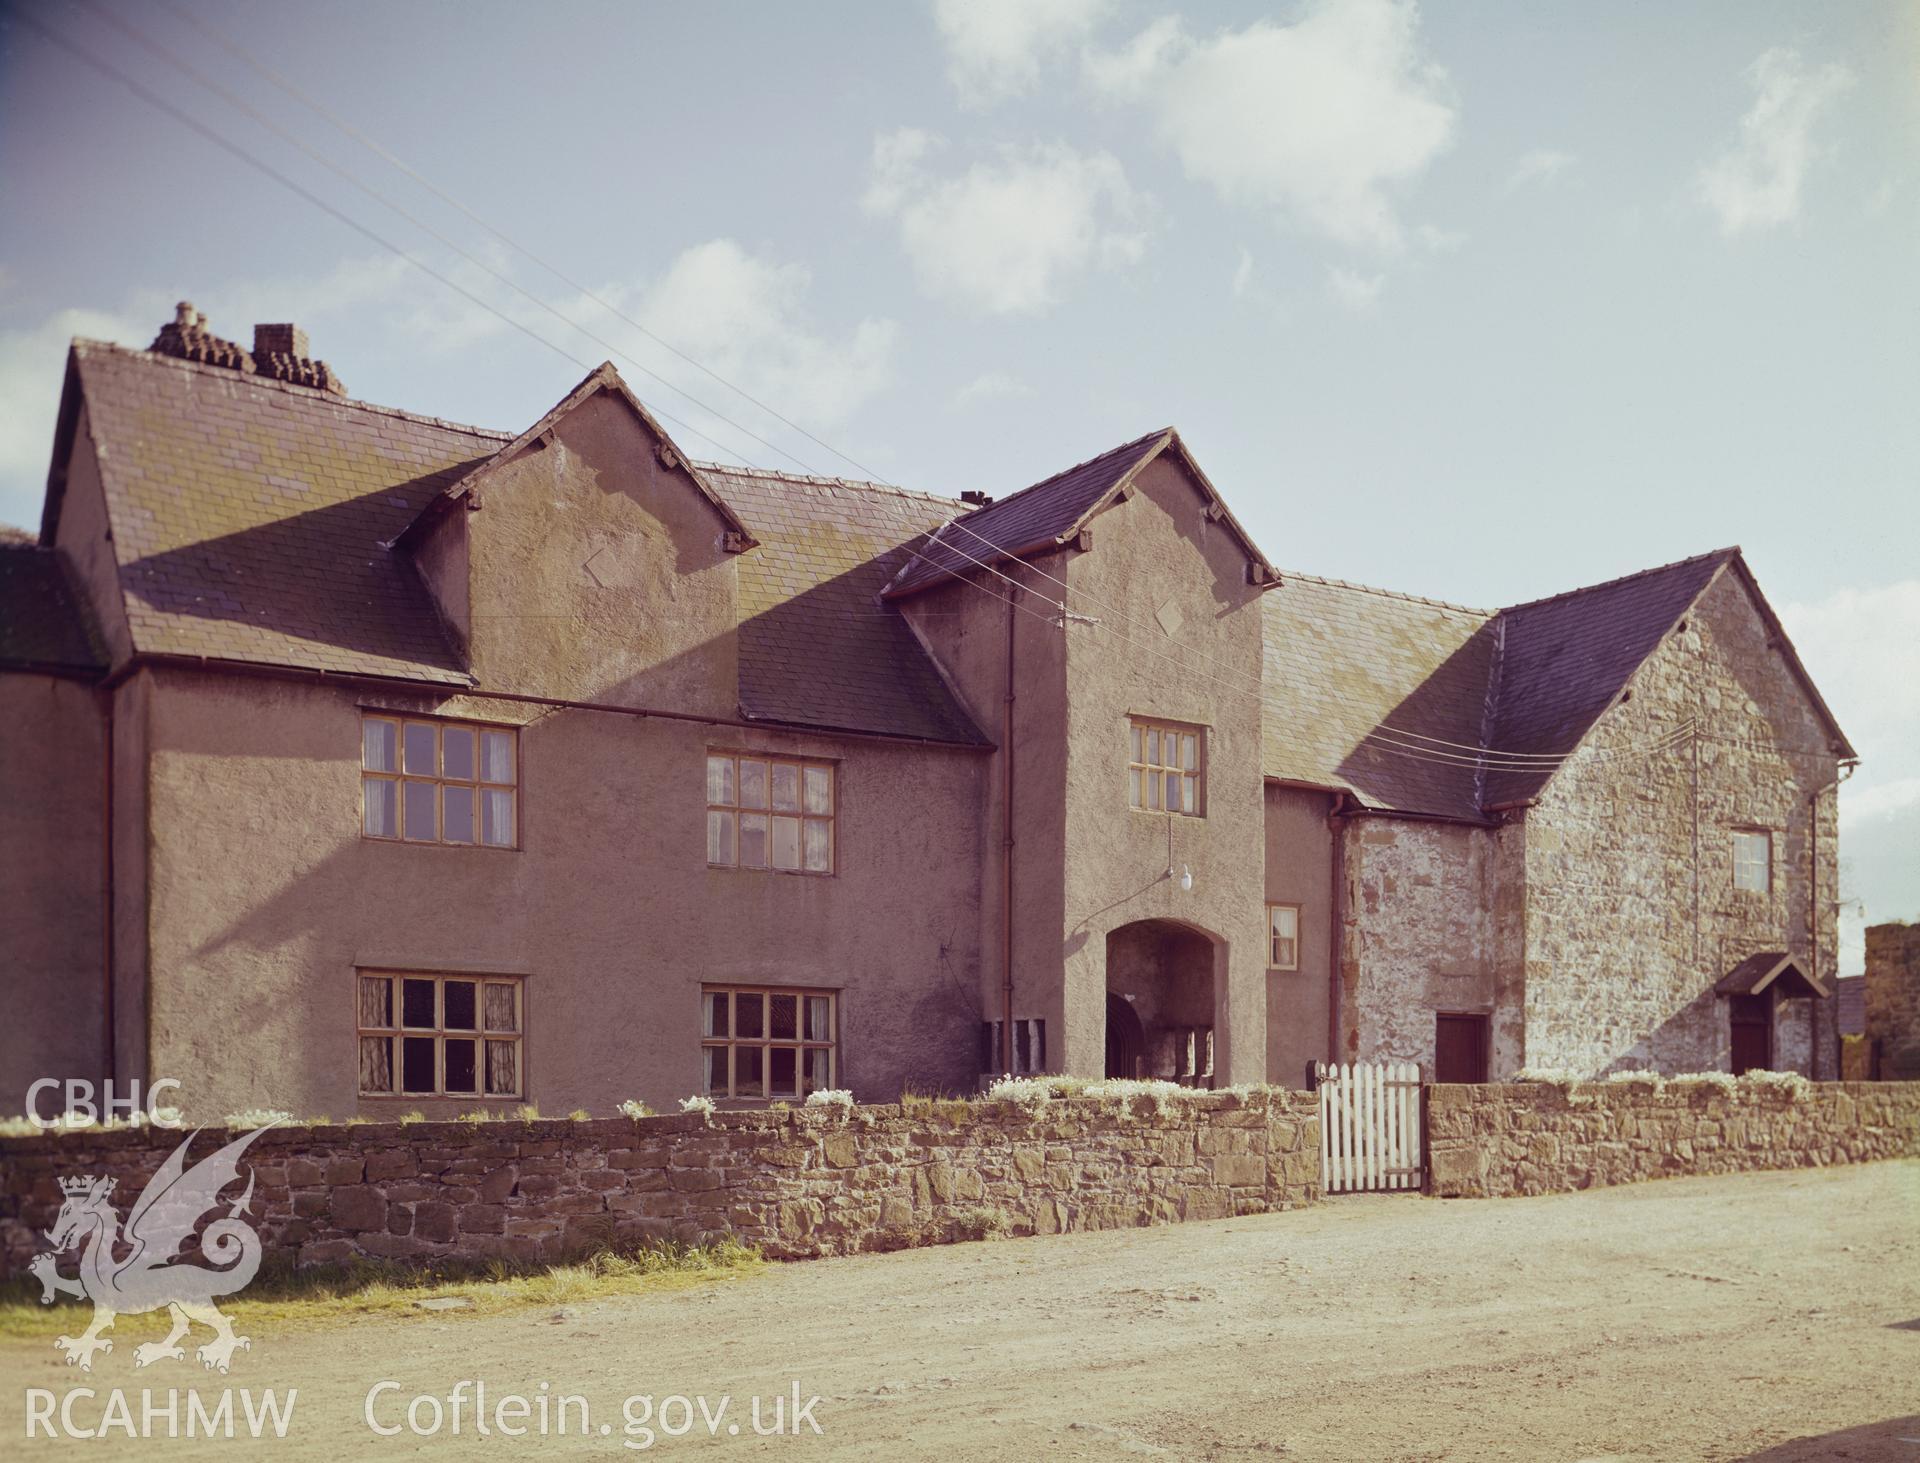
(1773,970)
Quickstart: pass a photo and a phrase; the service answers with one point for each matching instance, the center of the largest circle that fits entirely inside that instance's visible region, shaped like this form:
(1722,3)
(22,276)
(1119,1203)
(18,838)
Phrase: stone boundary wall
(797,1183)
(1535,1138)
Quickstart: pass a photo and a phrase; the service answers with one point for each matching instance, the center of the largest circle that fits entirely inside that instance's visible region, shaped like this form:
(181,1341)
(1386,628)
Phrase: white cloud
(1755,185)
(746,317)
(990,386)
(1543,165)
(1321,121)
(995,47)
(32,362)
(1880,199)
(1358,292)
(1243,272)
(1011,232)
(1860,646)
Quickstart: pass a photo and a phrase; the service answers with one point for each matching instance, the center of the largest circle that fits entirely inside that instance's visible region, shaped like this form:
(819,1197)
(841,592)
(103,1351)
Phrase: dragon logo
(129,1274)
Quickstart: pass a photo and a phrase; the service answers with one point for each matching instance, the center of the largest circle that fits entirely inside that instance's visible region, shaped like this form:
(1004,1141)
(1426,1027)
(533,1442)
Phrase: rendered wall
(1299,859)
(266,900)
(798,1183)
(1159,552)
(52,905)
(1532,1138)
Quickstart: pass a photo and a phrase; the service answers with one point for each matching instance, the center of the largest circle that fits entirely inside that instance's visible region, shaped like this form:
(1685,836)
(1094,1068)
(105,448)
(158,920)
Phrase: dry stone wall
(1534,1138)
(796,1183)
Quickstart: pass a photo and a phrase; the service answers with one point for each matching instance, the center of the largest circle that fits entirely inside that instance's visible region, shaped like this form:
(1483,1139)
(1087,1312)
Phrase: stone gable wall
(1534,1138)
(1893,998)
(797,1183)
(1626,929)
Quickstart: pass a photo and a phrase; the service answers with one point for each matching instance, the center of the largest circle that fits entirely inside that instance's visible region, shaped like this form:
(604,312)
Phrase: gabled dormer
(588,559)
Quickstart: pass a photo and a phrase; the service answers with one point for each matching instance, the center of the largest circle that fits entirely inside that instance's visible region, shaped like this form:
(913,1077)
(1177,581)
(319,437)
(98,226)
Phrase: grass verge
(321,1295)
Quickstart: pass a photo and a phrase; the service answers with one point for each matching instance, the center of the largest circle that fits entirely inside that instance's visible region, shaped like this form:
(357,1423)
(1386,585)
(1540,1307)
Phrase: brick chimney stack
(279,340)
(280,351)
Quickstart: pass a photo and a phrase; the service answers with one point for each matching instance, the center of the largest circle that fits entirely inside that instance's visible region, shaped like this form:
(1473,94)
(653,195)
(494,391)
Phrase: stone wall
(1893,999)
(797,1183)
(1631,909)
(1534,1138)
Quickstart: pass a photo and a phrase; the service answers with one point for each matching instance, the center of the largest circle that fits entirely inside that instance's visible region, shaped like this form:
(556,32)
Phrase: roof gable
(603,378)
(1055,509)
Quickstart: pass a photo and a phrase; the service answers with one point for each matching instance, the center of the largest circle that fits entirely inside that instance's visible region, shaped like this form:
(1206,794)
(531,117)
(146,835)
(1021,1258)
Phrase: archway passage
(1160,1002)
(1126,1042)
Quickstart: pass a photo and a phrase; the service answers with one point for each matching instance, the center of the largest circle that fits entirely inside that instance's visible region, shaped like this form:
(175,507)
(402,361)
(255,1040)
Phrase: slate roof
(1395,698)
(251,516)
(1564,659)
(1773,969)
(1356,676)
(43,617)
(1035,517)
(254,521)
(818,647)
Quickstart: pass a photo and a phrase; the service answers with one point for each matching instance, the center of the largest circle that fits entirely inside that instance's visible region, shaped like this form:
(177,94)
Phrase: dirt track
(1774,1316)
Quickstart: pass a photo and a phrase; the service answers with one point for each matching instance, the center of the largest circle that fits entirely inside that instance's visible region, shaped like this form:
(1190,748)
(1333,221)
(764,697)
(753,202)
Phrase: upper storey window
(1164,767)
(770,813)
(439,781)
(1753,860)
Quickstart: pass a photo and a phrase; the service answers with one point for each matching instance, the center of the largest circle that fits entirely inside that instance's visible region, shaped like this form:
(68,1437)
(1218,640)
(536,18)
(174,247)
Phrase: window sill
(436,843)
(750,869)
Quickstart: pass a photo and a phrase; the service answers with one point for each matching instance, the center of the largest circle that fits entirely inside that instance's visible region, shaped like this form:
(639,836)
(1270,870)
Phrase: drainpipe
(1006,848)
(1813,914)
(1337,923)
(106,889)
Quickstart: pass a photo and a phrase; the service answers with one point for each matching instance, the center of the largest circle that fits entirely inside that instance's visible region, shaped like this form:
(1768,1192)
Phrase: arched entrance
(1160,1002)
(1126,1041)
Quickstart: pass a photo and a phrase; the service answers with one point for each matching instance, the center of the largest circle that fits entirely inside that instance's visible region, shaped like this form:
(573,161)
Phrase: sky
(1478,301)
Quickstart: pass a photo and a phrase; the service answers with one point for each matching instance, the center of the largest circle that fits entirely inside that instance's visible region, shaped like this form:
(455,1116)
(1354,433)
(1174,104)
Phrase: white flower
(634,1108)
(258,1117)
(697,1104)
(830,1097)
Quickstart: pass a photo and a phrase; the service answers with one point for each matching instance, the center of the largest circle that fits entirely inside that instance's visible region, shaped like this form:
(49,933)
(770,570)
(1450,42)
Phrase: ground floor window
(441,1035)
(768,1041)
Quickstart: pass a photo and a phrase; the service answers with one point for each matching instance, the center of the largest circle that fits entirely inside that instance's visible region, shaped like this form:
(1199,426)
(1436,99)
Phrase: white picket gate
(1370,1126)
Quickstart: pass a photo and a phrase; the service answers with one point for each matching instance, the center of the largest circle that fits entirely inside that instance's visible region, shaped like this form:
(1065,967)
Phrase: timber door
(1459,1047)
(1751,1021)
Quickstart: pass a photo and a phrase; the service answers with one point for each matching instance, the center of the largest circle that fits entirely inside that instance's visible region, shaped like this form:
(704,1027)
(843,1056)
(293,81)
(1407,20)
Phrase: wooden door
(1751,1021)
(1459,1047)
(1126,1042)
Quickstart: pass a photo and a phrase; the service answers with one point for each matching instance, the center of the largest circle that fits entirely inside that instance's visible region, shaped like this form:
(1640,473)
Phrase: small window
(1163,767)
(439,782)
(1283,937)
(770,813)
(767,1042)
(1029,1047)
(440,1035)
(1753,860)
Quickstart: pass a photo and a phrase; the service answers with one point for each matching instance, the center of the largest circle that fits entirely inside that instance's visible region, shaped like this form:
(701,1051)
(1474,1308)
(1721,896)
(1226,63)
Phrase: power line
(186,119)
(233,47)
(292,140)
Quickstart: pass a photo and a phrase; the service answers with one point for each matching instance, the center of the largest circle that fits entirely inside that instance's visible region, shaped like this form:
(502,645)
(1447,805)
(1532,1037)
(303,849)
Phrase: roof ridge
(1444,604)
(293,387)
(1729,552)
(771,474)
(1140,441)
